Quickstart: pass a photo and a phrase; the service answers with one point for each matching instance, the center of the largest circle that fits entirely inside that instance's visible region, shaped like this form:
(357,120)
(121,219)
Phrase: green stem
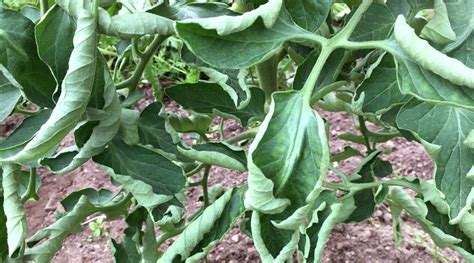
(249,134)
(205,190)
(136,47)
(315,72)
(326,90)
(107,52)
(31,189)
(364,131)
(267,73)
(44,6)
(346,32)
(354,187)
(132,82)
(195,170)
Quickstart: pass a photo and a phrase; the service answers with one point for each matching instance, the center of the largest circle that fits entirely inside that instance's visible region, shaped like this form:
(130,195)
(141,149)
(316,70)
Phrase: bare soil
(370,241)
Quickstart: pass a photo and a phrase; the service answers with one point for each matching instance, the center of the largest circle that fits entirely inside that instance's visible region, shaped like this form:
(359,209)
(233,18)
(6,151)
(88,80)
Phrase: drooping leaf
(108,123)
(287,163)
(18,55)
(43,245)
(23,134)
(376,24)
(326,213)
(308,14)
(9,94)
(253,45)
(225,25)
(150,177)
(204,232)
(75,93)
(210,98)
(153,130)
(17,228)
(380,90)
(439,28)
(54,36)
(443,130)
(220,154)
(431,217)
(180,12)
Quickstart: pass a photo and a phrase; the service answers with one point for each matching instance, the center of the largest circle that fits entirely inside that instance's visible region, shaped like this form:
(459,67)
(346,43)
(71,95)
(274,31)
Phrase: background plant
(404,67)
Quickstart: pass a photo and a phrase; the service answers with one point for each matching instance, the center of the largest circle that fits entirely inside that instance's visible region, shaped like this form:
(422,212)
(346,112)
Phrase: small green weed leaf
(203,233)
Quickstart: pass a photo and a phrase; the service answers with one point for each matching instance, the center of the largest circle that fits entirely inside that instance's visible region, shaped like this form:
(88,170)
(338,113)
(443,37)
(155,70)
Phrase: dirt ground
(370,241)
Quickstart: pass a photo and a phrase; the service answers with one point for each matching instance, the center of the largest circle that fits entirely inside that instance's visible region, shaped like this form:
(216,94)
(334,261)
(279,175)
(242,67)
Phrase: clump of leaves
(265,64)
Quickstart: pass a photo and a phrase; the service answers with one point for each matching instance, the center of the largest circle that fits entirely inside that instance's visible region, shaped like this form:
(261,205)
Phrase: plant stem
(249,134)
(205,192)
(195,170)
(310,83)
(44,6)
(132,82)
(346,32)
(364,131)
(354,187)
(31,189)
(267,73)
(326,90)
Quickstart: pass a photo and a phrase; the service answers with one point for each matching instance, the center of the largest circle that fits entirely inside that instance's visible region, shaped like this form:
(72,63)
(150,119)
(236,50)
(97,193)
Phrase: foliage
(78,67)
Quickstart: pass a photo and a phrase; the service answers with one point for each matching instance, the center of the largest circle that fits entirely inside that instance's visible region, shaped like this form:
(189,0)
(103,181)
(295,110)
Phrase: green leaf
(23,134)
(308,14)
(326,213)
(31,13)
(347,153)
(253,45)
(108,123)
(18,54)
(192,10)
(154,130)
(461,17)
(3,226)
(9,94)
(127,26)
(198,123)
(217,153)
(129,126)
(54,37)
(207,230)
(75,93)
(439,28)
(416,57)
(225,25)
(431,217)
(13,207)
(376,24)
(288,163)
(150,177)
(444,128)
(211,98)
(43,245)
(380,90)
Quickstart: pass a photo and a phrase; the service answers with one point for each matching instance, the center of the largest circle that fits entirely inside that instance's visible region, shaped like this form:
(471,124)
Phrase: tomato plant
(74,66)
